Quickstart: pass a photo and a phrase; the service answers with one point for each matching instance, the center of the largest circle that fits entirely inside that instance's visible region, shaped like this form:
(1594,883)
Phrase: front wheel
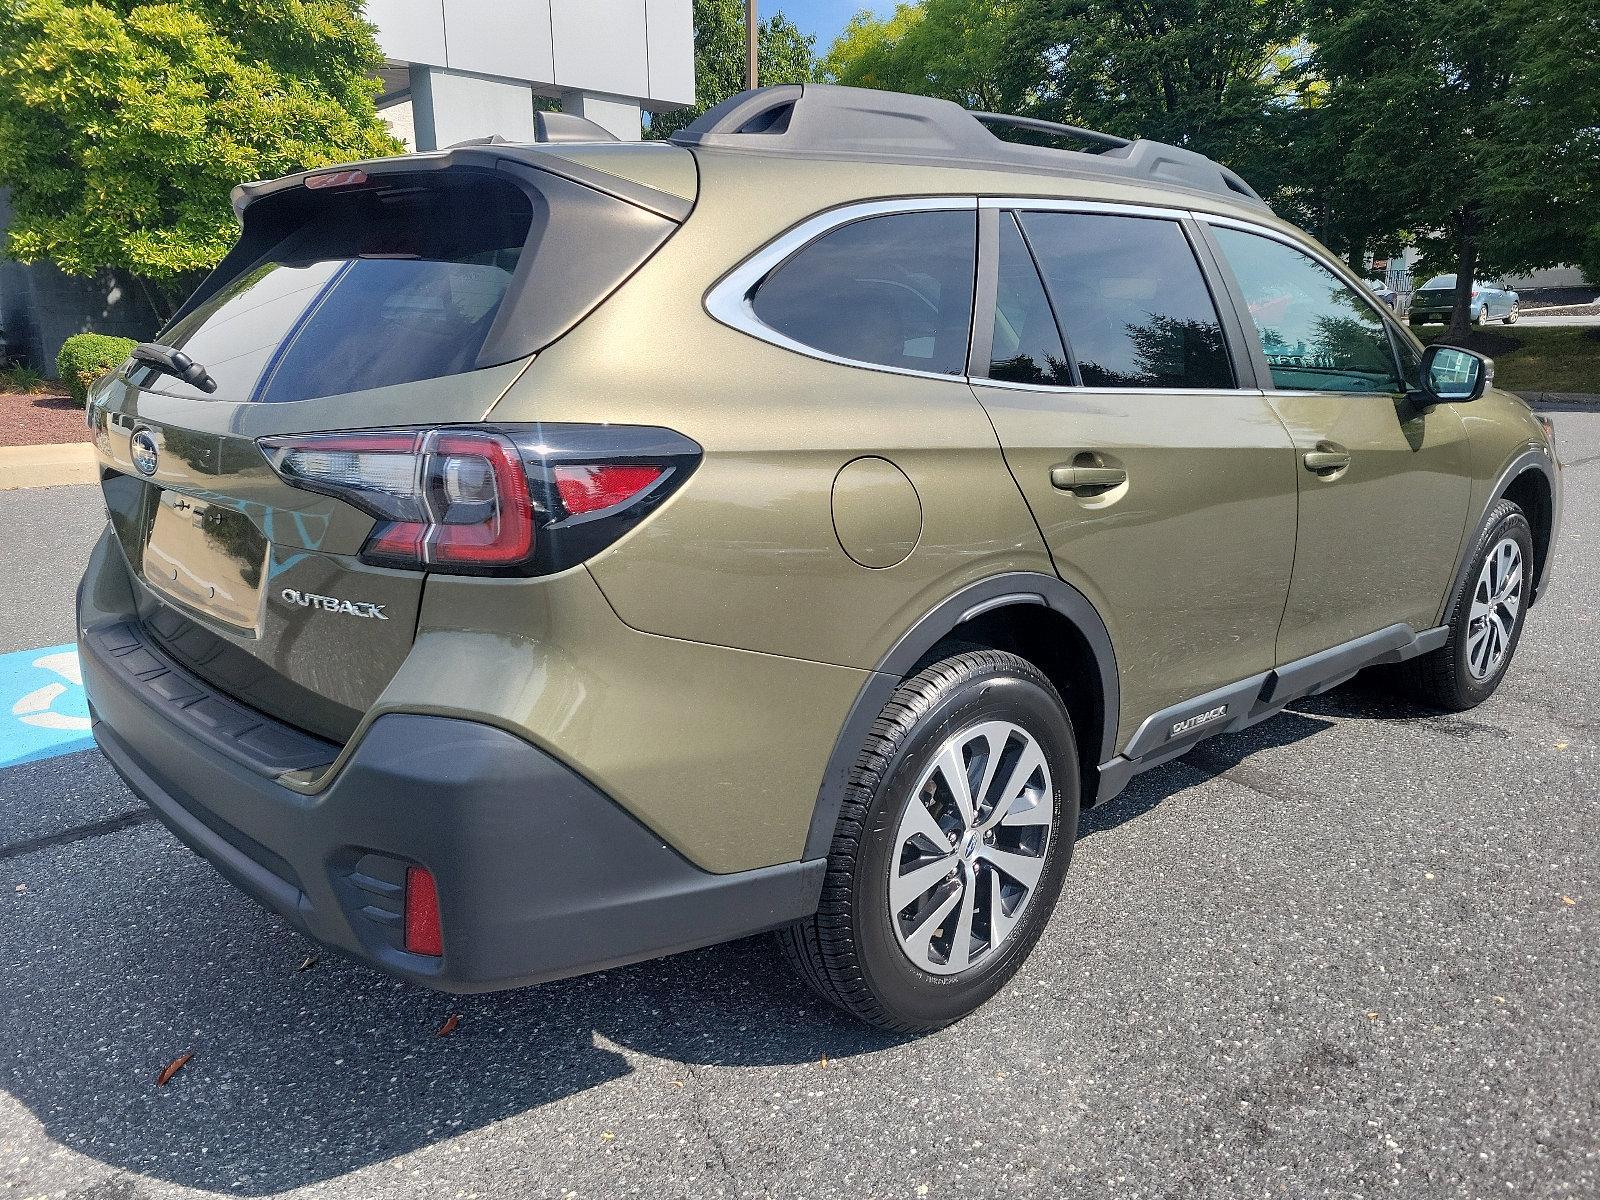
(1513,314)
(1486,618)
(951,846)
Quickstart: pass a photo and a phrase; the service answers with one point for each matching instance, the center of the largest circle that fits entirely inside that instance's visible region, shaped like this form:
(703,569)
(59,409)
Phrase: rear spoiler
(611,225)
(488,154)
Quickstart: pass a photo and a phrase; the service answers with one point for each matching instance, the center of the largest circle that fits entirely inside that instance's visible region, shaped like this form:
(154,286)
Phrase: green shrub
(84,357)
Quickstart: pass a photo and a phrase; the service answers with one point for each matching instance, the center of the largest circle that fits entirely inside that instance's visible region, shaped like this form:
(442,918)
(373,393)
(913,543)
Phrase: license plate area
(209,557)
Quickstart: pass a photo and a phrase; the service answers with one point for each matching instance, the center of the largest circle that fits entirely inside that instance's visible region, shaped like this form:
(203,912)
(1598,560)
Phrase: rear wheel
(951,846)
(1487,614)
(1483,315)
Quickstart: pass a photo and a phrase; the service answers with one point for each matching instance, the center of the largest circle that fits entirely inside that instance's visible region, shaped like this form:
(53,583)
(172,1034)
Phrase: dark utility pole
(750,73)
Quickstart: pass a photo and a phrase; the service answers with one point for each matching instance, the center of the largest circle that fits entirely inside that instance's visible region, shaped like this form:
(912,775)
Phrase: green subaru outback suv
(524,559)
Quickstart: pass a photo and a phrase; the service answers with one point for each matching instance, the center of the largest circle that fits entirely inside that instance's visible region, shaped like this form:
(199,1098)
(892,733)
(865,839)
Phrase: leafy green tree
(1207,74)
(956,49)
(1322,187)
(124,125)
(1480,118)
(783,53)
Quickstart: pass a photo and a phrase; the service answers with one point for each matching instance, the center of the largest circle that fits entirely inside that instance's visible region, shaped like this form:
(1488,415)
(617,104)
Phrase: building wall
(479,63)
(41,307)
(1553,277)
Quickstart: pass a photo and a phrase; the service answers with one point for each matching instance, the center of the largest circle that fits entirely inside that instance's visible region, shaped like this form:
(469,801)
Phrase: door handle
(1073,479)
(1321,461)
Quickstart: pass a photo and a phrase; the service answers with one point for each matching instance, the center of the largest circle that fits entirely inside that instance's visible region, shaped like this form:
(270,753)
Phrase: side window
(1027,345)
(1317,334)
(894,290)
(1131,300)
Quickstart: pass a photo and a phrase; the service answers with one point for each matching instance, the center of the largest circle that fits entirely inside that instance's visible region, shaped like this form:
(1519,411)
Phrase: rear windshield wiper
(175,363)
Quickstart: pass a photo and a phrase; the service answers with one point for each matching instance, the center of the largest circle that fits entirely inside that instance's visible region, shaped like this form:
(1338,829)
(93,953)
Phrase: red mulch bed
(40,418)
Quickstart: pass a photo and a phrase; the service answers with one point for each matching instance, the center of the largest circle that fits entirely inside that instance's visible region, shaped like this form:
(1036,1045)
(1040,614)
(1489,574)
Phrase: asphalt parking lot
(1355,950)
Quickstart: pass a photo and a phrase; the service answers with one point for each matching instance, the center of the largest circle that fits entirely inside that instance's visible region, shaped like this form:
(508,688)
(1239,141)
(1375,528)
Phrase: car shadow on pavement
(126,950)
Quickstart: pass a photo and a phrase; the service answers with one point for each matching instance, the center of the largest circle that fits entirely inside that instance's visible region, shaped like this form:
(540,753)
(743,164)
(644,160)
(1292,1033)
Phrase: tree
(1205,74)
(955,49)
(1479,117)
(784,55)
(1324,187)
(124,125)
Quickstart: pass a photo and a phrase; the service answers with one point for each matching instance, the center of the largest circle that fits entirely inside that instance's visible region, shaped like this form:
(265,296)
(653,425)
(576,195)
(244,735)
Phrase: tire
(869,960)
(1482,317)
(1512,314)
(1458,676)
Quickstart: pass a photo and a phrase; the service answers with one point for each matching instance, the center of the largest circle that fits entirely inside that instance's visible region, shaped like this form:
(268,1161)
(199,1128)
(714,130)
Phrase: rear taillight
(520,500)
(596,487)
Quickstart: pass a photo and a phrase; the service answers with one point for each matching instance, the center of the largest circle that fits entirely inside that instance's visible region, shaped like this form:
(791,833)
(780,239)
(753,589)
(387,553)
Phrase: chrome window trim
(1109,208)
(1072,390)
(728,300)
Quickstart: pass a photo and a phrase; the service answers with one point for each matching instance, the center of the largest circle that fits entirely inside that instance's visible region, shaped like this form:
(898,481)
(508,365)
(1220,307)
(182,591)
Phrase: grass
(1552,358)
(23,381)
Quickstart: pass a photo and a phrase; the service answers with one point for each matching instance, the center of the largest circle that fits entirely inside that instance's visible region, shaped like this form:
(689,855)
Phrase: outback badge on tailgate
(350,608)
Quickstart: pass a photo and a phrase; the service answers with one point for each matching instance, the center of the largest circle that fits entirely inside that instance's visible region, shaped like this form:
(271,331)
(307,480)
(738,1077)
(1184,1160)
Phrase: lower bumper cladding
(538,875)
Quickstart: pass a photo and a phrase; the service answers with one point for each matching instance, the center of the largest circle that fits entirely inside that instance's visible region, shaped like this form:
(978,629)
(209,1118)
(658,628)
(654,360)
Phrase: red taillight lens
(523,499)
(451,500)
(423,932)
(592,487)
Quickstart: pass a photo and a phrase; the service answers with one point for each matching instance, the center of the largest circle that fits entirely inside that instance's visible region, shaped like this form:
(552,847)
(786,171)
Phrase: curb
(1560,398)
(47,466)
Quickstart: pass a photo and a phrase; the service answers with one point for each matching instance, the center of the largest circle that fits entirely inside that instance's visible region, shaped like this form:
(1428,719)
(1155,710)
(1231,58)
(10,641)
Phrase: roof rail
(1033,123)
(824,120)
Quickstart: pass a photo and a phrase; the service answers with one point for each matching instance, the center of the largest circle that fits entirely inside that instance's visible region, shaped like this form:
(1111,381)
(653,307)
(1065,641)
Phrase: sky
(824,19)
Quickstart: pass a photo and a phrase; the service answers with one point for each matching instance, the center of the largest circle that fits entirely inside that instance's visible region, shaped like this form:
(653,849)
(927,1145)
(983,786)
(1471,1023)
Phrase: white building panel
(508,38)
(409,31)
(600,46)
(669,25)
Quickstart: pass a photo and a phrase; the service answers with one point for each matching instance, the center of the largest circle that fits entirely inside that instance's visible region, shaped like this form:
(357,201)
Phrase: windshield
(1439,281)
(376,287)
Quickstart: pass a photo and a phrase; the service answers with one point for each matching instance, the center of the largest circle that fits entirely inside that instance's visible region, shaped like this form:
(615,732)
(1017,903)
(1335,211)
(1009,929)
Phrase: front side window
(1317,333)
(1131,301)
(894,290)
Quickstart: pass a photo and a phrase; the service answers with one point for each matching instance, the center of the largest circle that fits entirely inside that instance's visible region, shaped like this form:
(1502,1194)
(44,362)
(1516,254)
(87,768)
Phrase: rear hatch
(1435,296)
(403,294)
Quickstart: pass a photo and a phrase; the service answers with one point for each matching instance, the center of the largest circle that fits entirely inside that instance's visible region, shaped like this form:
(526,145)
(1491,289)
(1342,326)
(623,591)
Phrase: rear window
(894,290)
(375,287)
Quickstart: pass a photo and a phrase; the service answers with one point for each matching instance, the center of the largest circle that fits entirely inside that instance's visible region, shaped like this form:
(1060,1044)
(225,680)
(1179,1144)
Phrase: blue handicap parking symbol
(43,709)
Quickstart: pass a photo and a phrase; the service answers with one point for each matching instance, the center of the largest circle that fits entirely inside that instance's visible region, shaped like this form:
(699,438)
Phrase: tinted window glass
(895,290)
(1410,361)
(1027,344)
(375,288)
(1131,300)
(1317,333)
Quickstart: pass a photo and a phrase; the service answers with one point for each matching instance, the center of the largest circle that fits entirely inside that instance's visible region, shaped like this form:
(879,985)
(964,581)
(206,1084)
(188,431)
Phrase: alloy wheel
(970,847)
(1496,603)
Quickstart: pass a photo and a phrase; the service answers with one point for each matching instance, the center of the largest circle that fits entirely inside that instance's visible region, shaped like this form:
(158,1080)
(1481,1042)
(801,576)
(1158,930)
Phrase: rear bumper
(539,874)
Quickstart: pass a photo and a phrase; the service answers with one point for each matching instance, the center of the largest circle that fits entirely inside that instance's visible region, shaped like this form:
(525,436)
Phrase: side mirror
(1451,375)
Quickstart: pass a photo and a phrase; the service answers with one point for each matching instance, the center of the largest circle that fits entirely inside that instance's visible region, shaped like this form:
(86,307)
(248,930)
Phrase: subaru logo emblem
(142,445)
